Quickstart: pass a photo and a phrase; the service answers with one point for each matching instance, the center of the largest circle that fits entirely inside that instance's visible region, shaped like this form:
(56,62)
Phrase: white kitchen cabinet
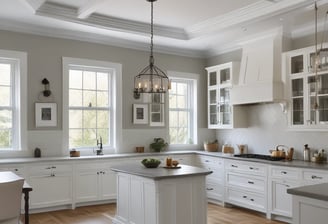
(246,184)
(314,176)
(281,179)
(221,114)
(94,182)
(51,183)
(308,210)
(215,180)
(301,89)
(17,169)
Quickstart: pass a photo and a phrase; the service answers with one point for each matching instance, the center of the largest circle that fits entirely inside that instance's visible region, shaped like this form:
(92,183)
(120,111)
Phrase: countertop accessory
(242,148)
(74,153)
(306,153)
(37,152)
(140,149)
(211,146)
(226,148)
(151,162)
(151,79)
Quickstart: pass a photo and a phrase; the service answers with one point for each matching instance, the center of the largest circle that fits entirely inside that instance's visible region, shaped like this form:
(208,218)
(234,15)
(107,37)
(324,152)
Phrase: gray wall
(44,61)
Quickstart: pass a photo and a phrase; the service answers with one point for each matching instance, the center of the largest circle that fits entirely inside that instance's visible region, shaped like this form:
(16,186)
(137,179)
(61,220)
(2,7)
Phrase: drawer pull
(283,172)
(250,182)
(234,166)
(316,177)
(253,168)
(53,167)
(210,189)
(252,199)
(16,169)
(244,196)
(207,161)
(287,185)
(48,168)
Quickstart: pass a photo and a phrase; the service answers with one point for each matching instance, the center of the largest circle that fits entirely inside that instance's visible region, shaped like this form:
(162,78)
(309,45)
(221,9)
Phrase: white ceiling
(197,28)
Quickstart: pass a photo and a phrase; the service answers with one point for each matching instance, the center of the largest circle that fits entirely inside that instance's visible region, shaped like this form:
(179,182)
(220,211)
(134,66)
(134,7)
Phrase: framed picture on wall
(140,113)
(45,114)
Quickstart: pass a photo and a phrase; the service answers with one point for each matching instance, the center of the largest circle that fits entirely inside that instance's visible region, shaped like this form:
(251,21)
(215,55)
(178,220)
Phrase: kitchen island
(310,204)
(160,195)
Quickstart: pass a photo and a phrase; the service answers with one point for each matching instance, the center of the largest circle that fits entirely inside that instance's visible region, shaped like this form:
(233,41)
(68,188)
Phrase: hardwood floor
(103,214)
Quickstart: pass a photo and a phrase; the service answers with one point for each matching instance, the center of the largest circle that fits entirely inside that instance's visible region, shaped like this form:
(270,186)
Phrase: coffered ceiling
(197,28)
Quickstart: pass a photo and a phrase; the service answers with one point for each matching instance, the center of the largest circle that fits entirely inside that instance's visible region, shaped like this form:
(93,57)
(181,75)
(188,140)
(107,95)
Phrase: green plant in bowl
(151,162)
(158,145)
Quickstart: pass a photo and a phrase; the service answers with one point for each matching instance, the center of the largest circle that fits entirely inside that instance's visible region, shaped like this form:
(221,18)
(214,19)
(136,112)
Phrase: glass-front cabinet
(220,81)
(308,89)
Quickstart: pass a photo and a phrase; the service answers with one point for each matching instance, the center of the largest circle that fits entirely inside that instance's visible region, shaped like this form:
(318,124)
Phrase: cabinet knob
(283,172)
(210,189)
(244,196)
(234,166)
(252,199)
(250,182)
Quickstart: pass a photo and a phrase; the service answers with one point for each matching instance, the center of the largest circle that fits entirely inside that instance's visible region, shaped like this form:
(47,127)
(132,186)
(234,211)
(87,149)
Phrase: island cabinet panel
(52,185)
(151,201)
(308,210)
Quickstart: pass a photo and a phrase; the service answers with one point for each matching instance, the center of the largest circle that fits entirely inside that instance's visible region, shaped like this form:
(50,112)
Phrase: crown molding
(99,39)
(109,23)
(259,11)
(34,5)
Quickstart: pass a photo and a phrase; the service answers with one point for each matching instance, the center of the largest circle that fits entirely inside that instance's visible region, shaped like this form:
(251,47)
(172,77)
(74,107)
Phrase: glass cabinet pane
(213,114)
(212,96)
(298,111)
(297,64)
(297,87)
(323,108)
(322,60)
(212,79)
(298,102)
(224,106)
(225,76)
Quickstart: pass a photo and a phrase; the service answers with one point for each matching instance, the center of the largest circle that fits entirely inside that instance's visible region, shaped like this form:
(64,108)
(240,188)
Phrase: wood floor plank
(103,214)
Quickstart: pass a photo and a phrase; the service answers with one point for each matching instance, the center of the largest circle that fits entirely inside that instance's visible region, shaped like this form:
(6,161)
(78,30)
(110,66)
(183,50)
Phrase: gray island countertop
(160,172)
(318,191)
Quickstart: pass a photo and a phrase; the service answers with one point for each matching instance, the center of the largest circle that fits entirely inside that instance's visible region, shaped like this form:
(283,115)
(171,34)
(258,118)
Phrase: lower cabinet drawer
(315,176)
(246,199)
(248,182)
(214,191)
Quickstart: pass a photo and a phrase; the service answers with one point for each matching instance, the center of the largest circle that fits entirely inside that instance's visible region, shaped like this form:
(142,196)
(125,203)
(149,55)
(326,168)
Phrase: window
(91,103)
(182,112)
(12,104)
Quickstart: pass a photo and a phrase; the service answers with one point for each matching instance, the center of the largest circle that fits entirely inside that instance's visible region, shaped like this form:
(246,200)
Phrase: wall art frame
(140,113)
(45,114)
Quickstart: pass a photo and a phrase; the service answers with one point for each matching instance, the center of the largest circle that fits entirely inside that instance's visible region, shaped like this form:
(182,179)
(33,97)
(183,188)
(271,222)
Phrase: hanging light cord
(151,58)
(316,63)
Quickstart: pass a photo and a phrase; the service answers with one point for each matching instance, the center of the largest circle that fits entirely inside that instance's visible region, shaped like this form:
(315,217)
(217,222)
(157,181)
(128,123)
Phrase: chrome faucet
(99,151)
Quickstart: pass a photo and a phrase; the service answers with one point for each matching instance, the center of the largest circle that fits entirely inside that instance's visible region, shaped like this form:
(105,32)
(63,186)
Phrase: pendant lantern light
(151,79)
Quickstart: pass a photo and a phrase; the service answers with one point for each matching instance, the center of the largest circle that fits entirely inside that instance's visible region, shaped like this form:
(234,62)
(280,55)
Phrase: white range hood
(260,79)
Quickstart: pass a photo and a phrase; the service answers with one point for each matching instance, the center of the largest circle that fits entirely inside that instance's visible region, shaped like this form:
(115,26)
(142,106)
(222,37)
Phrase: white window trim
(20,123)
(195,78)
(117,100)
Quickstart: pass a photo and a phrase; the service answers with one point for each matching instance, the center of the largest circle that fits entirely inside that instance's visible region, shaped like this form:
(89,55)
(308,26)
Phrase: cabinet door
(213,117)
(86,187)
(50,190)
(108,185)
(281,201)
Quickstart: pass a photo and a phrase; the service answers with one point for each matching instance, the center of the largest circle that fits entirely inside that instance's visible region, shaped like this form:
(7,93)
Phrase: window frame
(193,80)
(18,62)
(116,101)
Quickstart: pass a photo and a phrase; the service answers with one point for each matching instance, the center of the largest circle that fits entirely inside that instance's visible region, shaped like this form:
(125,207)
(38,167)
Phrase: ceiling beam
(34,5)
(90,7)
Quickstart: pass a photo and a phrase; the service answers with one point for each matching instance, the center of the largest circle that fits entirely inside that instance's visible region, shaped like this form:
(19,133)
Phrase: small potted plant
(211,146)
(158,145)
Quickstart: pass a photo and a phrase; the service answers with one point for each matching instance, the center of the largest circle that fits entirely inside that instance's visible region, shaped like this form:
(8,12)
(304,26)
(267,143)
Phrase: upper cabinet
(221,114)
(304,90)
